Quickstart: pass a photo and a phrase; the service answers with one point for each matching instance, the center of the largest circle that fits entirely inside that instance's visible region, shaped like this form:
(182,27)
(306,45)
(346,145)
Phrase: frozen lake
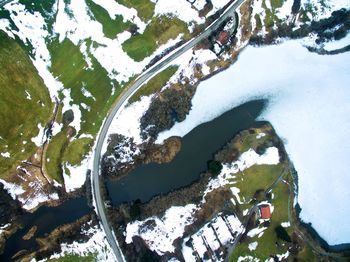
(309,107)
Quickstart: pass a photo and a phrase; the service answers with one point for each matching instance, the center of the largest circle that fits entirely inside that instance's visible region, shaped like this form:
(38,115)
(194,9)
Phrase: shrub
(282,234)
(214,167)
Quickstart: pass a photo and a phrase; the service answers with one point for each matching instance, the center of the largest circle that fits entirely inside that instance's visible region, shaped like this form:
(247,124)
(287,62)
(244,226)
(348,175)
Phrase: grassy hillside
(111,27)
(69,65)
(155,84)
(158,32)
(24,102)
(145,8)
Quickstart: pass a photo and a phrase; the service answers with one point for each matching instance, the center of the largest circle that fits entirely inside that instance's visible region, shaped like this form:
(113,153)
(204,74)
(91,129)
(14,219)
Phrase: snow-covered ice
(260,135)
(333,45)
(285,10)
(38,140)
(308,106)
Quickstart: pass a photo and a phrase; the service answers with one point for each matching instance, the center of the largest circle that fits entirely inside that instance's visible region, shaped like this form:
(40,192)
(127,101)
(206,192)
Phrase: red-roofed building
(223,37)
(265,212)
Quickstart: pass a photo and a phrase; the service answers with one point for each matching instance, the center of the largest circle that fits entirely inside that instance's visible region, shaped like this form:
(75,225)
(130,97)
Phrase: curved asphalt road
(137,84)
(4,2)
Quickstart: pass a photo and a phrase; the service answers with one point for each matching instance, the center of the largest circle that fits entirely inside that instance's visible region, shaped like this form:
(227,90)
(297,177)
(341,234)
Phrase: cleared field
(145,8)
(111,27)
(158,32)
(267,242)
(255,178)
(54,155)
(24,102)
(77,150)
(74,258)
(155,84)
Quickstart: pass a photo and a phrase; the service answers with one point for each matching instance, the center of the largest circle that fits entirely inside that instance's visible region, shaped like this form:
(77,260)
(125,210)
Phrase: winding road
(4,2)
(119,104)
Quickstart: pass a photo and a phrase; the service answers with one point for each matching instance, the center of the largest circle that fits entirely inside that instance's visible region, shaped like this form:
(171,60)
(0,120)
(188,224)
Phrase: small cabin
(265,211)
(223,38)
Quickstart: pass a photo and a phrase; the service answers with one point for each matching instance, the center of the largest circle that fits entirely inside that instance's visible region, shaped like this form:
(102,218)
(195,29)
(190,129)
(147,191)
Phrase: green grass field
(54,155)
(267,242)
(69,66)
(155,84)
(255,178)
(111,27)
(77,150)
(158,32)
(74,258)
(145,8)
(19,115)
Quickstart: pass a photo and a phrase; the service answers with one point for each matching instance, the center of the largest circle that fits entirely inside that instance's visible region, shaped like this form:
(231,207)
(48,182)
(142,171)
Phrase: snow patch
(181,9)
(32,29)
(127,120)
(5,154)
(77,175)
(38,140)
(96,244)
(13,189)
(252,246)
(34,201)
(221,229)
(256,231)
(260,135)
(67,105)
(129,14)
(159,234)
(217,5)
(334,45)
(6,27)
(285,224)
(107,51)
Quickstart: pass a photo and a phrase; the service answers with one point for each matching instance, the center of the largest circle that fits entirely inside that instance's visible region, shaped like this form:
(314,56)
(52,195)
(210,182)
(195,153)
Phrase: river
(46,219)
(198,147)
